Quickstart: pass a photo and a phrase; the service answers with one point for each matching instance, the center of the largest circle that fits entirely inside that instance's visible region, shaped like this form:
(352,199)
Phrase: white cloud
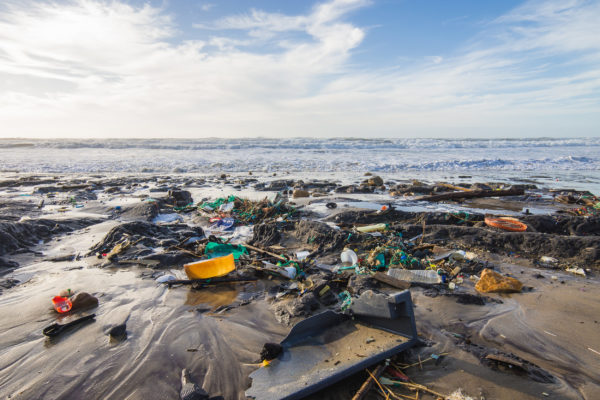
(97,68)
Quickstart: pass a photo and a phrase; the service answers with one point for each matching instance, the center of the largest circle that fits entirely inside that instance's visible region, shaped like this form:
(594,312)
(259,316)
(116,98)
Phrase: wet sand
(554,326)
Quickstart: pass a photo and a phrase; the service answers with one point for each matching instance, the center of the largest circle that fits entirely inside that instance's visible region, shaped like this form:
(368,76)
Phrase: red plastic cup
(62,304)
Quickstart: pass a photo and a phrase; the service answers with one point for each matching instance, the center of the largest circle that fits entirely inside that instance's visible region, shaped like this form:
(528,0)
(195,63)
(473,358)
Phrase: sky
(272,68)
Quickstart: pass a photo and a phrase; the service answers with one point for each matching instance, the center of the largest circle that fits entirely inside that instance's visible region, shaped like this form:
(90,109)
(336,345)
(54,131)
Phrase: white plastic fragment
(547,259)
(577,271)
(349,256)
(165,278)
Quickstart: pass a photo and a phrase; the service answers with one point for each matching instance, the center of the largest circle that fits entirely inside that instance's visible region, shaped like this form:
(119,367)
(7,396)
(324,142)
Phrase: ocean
(574,162)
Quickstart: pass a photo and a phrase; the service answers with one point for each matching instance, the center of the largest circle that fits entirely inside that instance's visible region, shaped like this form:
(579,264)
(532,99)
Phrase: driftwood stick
(390,280)
(258,249)
(213,281)
(471,194)
(366,386)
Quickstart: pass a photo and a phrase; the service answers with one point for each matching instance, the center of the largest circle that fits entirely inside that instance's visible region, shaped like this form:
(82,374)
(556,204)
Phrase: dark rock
(320,234)
(114,189)
(270,351)
(144,211)
(9,283)
(7,265)
(375,181)
(118,332)
(21,235)
(190,390)
(179,198)
(83,301)
(358,284)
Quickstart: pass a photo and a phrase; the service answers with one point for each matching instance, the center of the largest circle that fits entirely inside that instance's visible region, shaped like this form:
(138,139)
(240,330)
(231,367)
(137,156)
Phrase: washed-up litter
(576,271)
(506,223)
(547,259)
(165,278)
(222,224)
(372,228)
(311,360)
(211,268)
(61,304)
(56,329)
(492,282)
(415,276)
(213,250)
(349,256)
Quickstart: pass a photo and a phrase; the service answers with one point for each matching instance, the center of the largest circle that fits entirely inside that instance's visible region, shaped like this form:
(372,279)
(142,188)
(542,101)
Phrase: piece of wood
(449,186)
(212,281)
(258,249)
(505,360)
(390,280)
(366,386)
(472,194)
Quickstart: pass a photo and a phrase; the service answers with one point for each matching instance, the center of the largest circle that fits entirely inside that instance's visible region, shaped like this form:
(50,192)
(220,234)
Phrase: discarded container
(211,268)
(62,304)
(314,354)
(506,223)
(415,275)
(372,228)
(349,256)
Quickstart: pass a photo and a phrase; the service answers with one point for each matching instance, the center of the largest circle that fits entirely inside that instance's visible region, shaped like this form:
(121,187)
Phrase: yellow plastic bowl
(212,268)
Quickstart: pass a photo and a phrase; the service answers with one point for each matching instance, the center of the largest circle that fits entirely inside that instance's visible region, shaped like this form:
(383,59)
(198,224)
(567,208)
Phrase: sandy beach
(61,232)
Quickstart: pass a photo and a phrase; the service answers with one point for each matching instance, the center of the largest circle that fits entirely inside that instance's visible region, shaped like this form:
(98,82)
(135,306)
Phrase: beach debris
(576,271)
(390,280)
(492,282)
(302,255)
(331,205)
(211,268)
(547,259)
(61,304)
(83,301)
(388,319)
(459,395)
(165,278)
(56,329)
(416,276)
(506,223)
(366,386)
(189,389)
(214,250)
(270,351)
(372,228)
(349,256)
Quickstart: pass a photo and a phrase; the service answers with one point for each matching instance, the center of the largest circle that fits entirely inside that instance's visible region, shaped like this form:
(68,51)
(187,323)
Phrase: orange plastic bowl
(506,223)
(62,304)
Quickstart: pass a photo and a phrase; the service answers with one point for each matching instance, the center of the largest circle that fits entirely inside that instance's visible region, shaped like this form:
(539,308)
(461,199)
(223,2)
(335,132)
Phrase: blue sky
(360,68)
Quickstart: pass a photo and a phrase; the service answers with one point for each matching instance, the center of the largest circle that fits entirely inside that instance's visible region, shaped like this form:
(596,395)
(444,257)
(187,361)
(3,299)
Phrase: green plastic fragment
(213,250)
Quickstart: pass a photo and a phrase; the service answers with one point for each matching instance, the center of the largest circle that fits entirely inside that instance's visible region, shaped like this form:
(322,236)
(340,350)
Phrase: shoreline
(228,325)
